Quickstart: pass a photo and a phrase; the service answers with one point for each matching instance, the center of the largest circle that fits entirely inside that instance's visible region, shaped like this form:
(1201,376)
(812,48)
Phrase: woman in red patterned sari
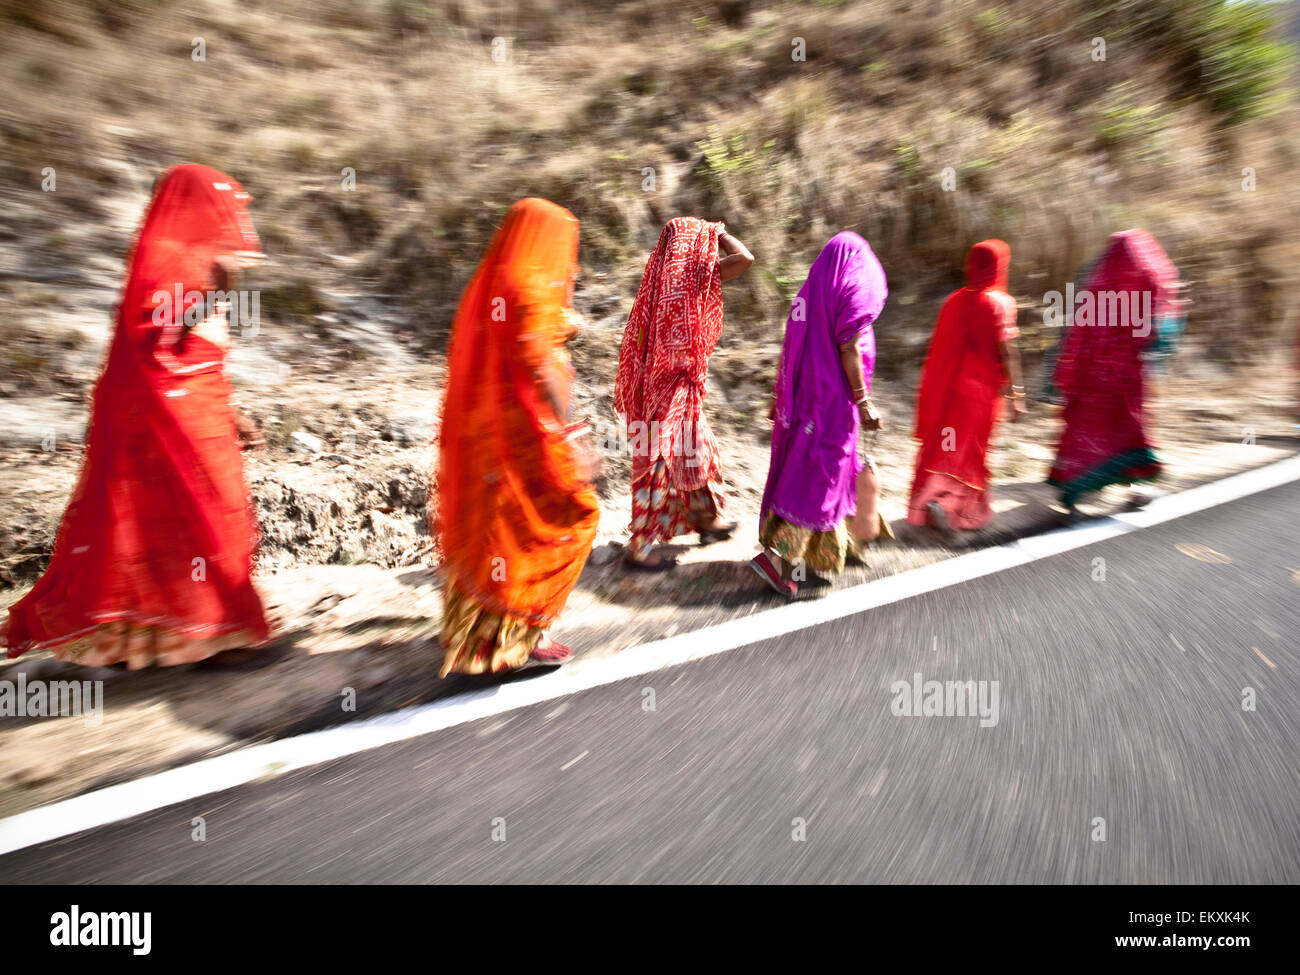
(663,363)
(1101,371)
(152,560)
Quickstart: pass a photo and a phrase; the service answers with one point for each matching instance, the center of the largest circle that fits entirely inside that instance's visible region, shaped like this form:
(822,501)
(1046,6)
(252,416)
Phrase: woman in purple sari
(822,399)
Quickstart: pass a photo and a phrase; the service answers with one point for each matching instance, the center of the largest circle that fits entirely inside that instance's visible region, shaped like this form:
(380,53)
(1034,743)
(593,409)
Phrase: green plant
(1227,54)
(1126,125)
(732,169)
(1242,62)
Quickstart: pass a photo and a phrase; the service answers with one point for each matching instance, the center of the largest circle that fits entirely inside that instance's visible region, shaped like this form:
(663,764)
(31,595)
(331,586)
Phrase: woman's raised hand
(737,259)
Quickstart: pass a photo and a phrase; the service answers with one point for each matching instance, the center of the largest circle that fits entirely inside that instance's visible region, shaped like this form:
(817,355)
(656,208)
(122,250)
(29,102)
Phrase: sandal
(938,519)
(710,535)
(762,564)
(552,655)
(650,565)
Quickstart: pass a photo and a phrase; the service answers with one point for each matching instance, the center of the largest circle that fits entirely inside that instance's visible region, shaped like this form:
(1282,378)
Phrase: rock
(393,541)
(410,429)
(350,553)
(306,442)
(325,604)
(389,529)
(33,775)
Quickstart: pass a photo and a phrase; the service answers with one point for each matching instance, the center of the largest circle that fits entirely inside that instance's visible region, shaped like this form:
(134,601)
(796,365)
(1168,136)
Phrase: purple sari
(812,480)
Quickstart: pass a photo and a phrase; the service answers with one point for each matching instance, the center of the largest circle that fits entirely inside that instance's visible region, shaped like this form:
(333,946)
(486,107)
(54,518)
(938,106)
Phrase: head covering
(671,331)
(197,215)
(1132,284)
(1134,261)
(162,490)
(987,265)
(971,324)
(811,478)
(515,517)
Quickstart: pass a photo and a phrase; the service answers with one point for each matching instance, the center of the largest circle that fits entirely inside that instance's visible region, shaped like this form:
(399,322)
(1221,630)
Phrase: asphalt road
(1119,700)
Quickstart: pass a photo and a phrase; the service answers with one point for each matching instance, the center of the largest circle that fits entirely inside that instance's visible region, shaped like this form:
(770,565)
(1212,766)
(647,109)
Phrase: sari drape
(959,401)
(673,327)
(1101,373)
(159,535)
(812,476)
(515,513)
(671,332)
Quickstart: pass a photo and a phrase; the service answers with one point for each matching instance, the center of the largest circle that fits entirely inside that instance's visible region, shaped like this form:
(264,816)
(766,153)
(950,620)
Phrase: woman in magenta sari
(822,399)
(1128,297)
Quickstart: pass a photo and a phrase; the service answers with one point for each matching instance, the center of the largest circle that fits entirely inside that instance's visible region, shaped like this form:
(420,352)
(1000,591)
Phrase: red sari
(1100,372)
(152,560)
(960,400)
(671,332)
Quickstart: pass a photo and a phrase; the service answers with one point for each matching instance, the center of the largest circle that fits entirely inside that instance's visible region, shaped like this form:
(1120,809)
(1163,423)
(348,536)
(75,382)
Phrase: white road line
(573,761)
(118,802)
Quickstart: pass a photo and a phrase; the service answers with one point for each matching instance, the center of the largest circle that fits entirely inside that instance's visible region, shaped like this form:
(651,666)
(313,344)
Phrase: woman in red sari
(1101,370)
(674,325)
(971,366)
(516,509)
(152,561)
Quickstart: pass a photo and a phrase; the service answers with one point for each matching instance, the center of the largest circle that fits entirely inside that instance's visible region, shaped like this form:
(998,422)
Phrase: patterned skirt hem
(140,644)
(477,640)
(1130,467)
(823,551)
(661,512)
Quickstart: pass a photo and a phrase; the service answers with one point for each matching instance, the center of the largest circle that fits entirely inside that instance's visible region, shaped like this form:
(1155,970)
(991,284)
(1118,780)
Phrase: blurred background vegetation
(1050,148)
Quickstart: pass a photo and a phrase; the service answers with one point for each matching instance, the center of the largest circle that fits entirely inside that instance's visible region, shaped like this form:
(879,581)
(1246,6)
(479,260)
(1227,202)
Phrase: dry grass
(1050,150)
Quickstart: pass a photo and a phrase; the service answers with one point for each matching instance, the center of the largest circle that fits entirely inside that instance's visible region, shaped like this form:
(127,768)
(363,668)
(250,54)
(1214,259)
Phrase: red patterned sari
(672,330)
(1101,374)
(152,560)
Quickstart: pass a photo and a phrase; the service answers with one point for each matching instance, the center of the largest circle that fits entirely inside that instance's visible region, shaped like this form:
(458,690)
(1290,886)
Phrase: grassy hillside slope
(631,112)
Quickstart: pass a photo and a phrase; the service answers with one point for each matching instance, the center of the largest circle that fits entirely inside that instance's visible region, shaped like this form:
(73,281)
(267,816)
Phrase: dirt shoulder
(367,622)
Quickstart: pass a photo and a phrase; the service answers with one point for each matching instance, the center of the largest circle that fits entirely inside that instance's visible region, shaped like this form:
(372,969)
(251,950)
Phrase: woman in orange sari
(971,366)
(516,508)
(152,561)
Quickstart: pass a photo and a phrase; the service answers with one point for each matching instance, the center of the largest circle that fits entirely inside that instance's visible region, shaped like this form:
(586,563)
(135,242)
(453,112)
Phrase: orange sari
(516,515)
